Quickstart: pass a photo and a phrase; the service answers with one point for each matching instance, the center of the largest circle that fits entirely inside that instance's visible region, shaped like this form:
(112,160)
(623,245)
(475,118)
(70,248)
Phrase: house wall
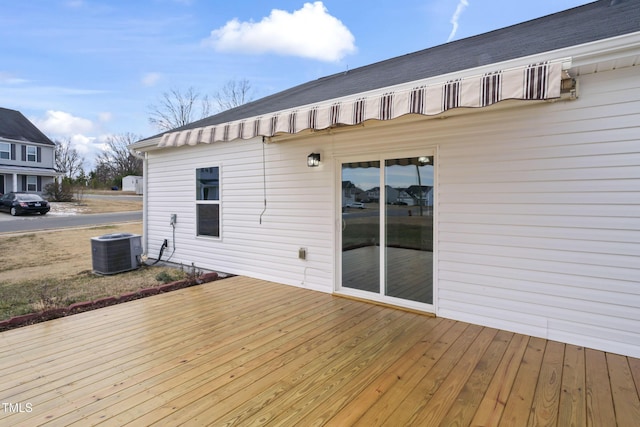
(538,211)
(256,241)
(539,225)
(47,155)
(19,167)
(20,184)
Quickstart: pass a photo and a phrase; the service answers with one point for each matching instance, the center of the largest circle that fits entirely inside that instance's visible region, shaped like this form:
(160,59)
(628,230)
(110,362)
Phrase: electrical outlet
(173,220)
(302,253)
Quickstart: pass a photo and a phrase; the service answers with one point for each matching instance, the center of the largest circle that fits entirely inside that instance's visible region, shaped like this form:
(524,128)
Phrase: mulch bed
(54,313)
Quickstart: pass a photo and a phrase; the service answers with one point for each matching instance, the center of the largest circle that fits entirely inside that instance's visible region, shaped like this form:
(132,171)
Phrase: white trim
(7,151)
(381,157)
(35,154)
(145,145)
(26,170)
(217,202)
(35,184)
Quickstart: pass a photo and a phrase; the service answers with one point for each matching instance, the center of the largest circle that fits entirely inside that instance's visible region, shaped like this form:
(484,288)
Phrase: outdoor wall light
(313,160)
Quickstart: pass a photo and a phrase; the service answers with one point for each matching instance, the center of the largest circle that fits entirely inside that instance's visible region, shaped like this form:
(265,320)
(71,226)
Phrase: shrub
(170,276)
(55,192)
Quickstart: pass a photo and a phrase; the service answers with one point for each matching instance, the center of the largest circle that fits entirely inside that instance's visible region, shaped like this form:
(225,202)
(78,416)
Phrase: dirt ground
(90,206)
(50,269)
(60,253)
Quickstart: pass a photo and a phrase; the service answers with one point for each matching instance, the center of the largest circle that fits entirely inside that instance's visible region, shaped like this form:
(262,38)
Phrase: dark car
(22,203)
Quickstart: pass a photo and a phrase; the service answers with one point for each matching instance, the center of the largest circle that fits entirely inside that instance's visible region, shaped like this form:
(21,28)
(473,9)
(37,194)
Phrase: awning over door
(538,81)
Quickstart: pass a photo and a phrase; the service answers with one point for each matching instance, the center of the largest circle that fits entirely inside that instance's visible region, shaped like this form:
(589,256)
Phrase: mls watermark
(16,408)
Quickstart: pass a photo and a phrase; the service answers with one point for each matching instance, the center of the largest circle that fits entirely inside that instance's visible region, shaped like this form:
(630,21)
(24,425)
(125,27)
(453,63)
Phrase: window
(32,154)
(32,183)
(208,201)
(5,150)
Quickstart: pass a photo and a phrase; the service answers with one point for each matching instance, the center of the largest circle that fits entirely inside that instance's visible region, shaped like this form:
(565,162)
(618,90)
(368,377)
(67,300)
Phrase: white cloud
(84,144)
(59,123)
(89,147)
(310,32)
(6,78)
(151,79)
(462,5)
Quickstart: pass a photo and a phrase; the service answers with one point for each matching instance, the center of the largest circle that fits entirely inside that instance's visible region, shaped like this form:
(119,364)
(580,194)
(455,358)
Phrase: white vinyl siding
(256,241)
(537,210)
(539,218)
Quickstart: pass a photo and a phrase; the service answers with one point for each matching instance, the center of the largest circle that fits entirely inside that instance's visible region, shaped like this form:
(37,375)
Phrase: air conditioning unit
(116,253)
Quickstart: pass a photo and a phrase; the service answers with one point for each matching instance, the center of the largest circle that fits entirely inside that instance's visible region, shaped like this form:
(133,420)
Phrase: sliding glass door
(409,228)
(361,226)
(387,228)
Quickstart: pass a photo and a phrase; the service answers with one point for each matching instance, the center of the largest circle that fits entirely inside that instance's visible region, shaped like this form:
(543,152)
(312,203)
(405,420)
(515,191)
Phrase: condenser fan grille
(115,253)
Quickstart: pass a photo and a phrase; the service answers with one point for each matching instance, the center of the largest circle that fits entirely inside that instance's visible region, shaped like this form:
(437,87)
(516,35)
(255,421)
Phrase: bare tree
(116,161)
(177,108)
(68,160)
(233,94)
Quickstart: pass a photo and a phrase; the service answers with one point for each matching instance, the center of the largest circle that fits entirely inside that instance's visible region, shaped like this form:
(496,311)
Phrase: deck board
(242,351)
(488,411)
(600,411)
(547,397)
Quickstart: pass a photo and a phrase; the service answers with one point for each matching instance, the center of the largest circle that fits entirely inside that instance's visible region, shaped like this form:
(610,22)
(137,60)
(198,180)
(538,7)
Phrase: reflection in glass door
(409,229)
(361,226)
(389,208)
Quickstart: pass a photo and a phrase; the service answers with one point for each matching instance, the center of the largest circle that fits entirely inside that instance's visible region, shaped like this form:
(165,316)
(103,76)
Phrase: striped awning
(538,81)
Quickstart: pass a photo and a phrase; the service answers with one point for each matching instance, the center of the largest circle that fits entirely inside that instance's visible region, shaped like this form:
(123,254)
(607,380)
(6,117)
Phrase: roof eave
(145,145)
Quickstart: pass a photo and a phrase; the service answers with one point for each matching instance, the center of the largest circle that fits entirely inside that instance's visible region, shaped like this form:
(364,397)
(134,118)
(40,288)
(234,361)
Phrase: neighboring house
(393,195)
(421,195)
(132,183)
(27,156)
(536,185)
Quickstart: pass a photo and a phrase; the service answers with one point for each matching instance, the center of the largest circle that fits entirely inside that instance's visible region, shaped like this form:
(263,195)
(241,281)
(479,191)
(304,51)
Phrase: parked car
(355,205)
(22,203)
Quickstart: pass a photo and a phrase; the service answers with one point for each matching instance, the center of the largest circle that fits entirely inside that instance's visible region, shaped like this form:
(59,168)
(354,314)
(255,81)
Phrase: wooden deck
(246,352)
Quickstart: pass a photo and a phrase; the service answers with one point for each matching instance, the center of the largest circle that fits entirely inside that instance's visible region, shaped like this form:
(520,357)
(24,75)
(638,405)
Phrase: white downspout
(145,181)
(145,192)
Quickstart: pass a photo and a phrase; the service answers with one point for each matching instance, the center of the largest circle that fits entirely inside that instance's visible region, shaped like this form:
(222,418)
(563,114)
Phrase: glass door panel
(409,228)
(361,226)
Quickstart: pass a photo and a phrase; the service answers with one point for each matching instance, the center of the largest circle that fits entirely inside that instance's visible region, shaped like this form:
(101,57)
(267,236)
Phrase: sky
(84,70)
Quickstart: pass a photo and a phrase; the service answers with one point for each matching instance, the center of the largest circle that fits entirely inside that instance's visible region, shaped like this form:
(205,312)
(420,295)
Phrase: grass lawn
(90,205)
(410,232)
(53,269)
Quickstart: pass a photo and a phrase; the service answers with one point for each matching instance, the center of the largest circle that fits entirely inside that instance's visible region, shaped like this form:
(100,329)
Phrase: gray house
(529,137)
(27,156)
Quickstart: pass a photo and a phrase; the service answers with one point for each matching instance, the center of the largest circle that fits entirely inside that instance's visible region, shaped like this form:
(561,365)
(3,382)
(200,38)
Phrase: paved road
(9,224)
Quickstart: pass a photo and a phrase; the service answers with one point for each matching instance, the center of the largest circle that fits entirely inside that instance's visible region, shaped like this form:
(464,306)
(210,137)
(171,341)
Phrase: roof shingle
(594,21)
(13,125)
